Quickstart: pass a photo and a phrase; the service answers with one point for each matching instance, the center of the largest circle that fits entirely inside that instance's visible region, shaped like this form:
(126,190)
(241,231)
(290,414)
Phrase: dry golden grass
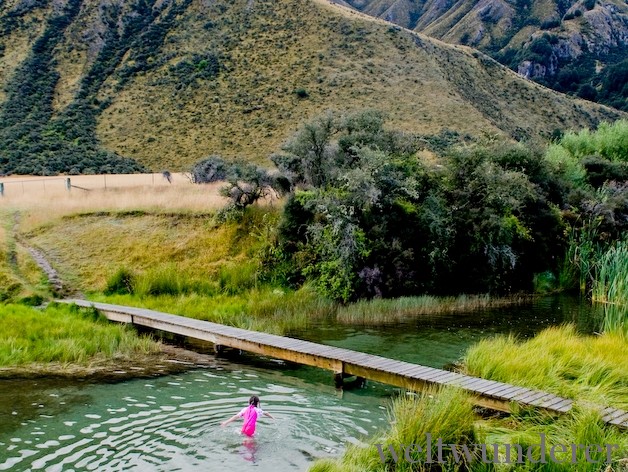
(43,200)
(88,249)
(342,59)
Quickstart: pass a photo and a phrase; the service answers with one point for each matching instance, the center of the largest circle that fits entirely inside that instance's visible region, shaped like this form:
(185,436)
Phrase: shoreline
(169,360)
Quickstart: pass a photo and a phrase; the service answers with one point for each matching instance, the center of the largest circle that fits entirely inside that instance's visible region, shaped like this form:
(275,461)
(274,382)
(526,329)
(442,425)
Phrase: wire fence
(31,186)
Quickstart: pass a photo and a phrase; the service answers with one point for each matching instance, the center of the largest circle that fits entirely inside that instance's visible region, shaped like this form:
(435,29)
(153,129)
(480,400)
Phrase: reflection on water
(172,423)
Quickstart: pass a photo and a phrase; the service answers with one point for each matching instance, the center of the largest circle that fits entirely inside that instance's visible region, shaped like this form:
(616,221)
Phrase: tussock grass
(581,426)
(65,335)
(383,311)
(560,361)
(444,413)
(265,309)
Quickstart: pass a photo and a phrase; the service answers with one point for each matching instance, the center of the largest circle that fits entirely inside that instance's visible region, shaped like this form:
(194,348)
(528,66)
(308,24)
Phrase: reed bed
(385,311)
(611,283)
(610,288)
(560,361)
(64,335)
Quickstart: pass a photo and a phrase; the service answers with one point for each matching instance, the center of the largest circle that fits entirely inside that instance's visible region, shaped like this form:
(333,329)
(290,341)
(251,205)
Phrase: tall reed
(382,311)
(610,287)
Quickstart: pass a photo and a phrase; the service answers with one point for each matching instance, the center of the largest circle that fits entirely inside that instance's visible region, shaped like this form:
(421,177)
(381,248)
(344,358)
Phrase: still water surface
(171,423)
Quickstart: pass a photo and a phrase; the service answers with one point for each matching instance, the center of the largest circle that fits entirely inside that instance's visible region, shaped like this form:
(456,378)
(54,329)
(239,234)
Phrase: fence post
(68,184)
(1,189)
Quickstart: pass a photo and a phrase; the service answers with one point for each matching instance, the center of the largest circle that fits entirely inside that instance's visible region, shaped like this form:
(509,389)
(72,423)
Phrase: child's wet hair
(254,400)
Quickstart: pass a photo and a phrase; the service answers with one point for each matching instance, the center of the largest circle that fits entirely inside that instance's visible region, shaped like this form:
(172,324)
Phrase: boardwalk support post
(218,348)
(339,379)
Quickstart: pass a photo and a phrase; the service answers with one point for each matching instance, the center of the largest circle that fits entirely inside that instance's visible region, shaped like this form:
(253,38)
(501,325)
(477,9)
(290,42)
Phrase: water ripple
(118,429)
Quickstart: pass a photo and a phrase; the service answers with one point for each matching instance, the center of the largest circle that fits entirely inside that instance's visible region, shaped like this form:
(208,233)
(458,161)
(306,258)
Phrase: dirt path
(58,287)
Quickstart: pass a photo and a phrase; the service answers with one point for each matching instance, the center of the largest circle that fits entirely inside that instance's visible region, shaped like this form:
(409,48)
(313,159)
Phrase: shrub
(301,93)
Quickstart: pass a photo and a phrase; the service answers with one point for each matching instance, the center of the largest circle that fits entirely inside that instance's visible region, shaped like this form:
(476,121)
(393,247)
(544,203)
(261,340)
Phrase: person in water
(250,415)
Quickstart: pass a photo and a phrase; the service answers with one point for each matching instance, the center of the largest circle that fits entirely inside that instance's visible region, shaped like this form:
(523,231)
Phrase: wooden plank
(541,400)
(410,369)
(441,379)
(498,387)
(524,397)
(564,406)
(548,404)
(473,383)
(617,415)
(621,421)
(493,394)
(509,392)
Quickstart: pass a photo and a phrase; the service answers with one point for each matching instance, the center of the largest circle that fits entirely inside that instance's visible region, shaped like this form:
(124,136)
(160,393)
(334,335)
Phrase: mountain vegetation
(573,46)
(87,86)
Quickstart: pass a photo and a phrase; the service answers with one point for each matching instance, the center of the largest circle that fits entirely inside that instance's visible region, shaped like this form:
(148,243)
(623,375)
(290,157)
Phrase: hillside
(88,84)
(573,46)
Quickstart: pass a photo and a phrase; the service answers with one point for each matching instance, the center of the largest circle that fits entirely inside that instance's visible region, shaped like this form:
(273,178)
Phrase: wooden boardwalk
(487,393)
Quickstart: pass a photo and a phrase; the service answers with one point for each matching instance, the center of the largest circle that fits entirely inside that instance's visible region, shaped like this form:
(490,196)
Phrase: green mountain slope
(574,46)
(88,84)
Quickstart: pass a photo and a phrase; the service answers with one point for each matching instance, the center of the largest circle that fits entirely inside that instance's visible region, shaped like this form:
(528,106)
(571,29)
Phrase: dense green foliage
(366,218)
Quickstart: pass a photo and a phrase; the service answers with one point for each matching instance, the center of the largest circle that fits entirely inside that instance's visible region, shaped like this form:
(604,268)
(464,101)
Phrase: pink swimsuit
(250,415)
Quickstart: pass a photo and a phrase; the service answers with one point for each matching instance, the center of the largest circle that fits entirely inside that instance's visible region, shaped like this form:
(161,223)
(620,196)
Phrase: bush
(301,93)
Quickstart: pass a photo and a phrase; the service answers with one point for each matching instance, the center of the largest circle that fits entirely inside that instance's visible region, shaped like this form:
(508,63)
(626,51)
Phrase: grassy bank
(65,335)
(21,280)
(265,309)
(558,360)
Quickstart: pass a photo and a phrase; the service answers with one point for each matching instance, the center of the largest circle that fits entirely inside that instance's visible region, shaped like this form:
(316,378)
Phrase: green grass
(66,335)
(383,311)
(266,309)
(21,280)
(591,369)
(560,361)
(444,413)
